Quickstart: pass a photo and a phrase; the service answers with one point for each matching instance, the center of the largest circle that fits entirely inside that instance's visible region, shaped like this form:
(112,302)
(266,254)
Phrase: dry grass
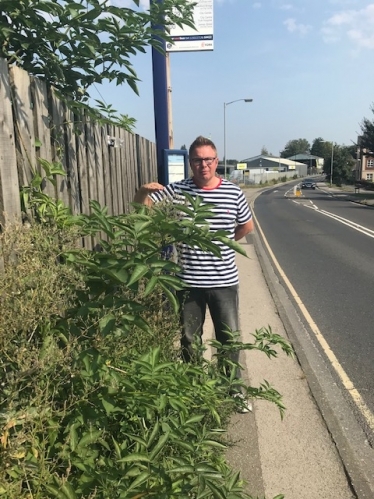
(34,286)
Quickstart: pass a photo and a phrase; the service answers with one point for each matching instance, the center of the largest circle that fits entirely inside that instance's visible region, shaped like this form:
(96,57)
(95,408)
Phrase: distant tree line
(344,157)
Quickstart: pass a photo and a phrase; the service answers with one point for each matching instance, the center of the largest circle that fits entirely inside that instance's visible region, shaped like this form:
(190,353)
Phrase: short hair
(199,142)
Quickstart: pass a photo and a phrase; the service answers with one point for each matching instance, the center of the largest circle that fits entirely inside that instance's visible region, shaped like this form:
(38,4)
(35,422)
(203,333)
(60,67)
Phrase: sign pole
(160,102)
(169,103)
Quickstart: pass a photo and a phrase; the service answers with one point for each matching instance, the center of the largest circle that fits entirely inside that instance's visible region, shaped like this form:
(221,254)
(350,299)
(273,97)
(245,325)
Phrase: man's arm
(244,229)
(142,195)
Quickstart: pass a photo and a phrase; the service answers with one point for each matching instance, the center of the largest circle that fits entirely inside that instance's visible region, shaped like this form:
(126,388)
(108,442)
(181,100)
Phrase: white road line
(347,383)
(345,221)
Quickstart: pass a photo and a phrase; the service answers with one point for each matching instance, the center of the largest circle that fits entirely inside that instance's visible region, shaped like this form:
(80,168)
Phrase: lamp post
(332,159)
(224,126)
(332,162)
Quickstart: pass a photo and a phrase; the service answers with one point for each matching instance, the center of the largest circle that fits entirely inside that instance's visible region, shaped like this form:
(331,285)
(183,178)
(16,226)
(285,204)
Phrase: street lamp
(332,160)
(224,126)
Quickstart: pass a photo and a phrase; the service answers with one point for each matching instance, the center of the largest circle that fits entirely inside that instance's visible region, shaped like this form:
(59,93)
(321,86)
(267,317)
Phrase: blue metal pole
(160,103)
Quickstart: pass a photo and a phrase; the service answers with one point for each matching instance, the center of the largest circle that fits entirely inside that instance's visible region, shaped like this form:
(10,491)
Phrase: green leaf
(141,225)
(37,180)
(234,480)
(139,272)
(195,419)
(150,286)
(74,436)
(171,297)
(142,324)
(141,478)
(159,446)
(120,275)
(109,405)
(55,492)
(183,469)
(117,448)
(107,324)
(173,281)
(153,434)
(186,445)
(177,404)
(213,443)
(134,458)
(216,491)
(89,438)
(57,169)
(68,490)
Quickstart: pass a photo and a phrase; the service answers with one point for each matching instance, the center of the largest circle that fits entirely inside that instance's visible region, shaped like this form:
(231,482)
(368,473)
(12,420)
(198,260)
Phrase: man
(212,281)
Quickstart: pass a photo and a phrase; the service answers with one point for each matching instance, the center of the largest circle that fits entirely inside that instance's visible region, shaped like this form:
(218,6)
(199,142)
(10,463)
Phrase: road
(325,247)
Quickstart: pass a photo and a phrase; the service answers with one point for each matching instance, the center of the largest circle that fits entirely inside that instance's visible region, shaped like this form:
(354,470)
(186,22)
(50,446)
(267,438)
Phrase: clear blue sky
(307,64)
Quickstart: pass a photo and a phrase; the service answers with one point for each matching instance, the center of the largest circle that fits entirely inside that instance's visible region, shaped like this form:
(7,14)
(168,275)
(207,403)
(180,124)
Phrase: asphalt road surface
(325,246)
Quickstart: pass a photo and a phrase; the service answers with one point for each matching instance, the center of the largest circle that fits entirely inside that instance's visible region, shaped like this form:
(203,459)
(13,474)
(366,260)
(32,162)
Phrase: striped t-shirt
(201,269)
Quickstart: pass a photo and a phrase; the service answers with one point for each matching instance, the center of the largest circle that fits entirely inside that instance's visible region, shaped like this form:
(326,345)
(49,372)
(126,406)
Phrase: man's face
(204,164)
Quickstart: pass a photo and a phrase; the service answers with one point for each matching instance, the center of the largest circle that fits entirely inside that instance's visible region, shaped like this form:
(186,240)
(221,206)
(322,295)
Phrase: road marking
(344,221)
(287,192)
(347,383)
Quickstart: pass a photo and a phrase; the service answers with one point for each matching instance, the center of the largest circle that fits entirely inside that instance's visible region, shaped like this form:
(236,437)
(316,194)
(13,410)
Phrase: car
(308,184)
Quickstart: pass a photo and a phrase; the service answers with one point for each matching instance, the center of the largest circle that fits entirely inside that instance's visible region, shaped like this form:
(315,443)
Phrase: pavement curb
(352,445)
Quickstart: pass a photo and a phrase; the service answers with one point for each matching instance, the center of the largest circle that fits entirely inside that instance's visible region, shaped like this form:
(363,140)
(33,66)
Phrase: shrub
(95,402)
(35,288)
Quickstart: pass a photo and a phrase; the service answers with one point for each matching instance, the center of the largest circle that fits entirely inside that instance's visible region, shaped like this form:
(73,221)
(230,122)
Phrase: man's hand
(142,196)
(243,230)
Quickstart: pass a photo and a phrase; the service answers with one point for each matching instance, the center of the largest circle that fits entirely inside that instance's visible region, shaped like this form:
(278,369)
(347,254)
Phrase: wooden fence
(102,162)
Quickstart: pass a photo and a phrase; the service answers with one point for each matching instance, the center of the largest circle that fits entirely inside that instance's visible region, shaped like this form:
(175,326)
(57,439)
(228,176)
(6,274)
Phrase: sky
(307,65)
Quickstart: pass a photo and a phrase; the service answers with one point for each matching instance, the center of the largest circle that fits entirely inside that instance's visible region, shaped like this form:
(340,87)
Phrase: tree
(367,129)
(296,146)
(184,148)
(343,164)
(264,151)
(74,44)
(321,148)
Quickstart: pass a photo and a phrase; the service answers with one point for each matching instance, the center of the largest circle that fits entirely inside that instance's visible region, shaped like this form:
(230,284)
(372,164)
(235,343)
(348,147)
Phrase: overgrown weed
(94,401)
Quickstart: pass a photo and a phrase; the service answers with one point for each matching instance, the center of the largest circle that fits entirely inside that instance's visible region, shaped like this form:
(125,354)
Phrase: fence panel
(35,124)
(98,164)
(10,206)
(24,124)
(105,193)
(124,171)
(42,130)
(134,174)
(59,122)
(118,147)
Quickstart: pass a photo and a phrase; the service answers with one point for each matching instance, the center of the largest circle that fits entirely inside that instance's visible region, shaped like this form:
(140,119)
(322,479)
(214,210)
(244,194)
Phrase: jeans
(223,305)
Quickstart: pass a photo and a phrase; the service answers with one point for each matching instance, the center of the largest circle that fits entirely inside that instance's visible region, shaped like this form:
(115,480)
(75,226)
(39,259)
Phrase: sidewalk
(295,457)
(349,193)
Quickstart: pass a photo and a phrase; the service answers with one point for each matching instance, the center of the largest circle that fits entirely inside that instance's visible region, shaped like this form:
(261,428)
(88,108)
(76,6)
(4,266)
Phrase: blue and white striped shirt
(201,269)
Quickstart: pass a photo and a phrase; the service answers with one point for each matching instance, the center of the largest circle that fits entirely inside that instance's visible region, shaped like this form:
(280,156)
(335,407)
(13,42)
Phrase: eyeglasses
(200,161)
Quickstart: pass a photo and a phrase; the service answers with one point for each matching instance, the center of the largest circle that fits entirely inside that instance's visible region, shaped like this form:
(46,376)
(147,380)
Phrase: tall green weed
(94,402)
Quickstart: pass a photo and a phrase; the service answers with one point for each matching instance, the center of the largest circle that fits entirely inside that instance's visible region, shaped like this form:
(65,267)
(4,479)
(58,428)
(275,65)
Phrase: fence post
(10,206)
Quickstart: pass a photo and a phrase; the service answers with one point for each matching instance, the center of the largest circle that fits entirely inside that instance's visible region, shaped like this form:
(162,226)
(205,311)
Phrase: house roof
(304,156)
(273,159)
